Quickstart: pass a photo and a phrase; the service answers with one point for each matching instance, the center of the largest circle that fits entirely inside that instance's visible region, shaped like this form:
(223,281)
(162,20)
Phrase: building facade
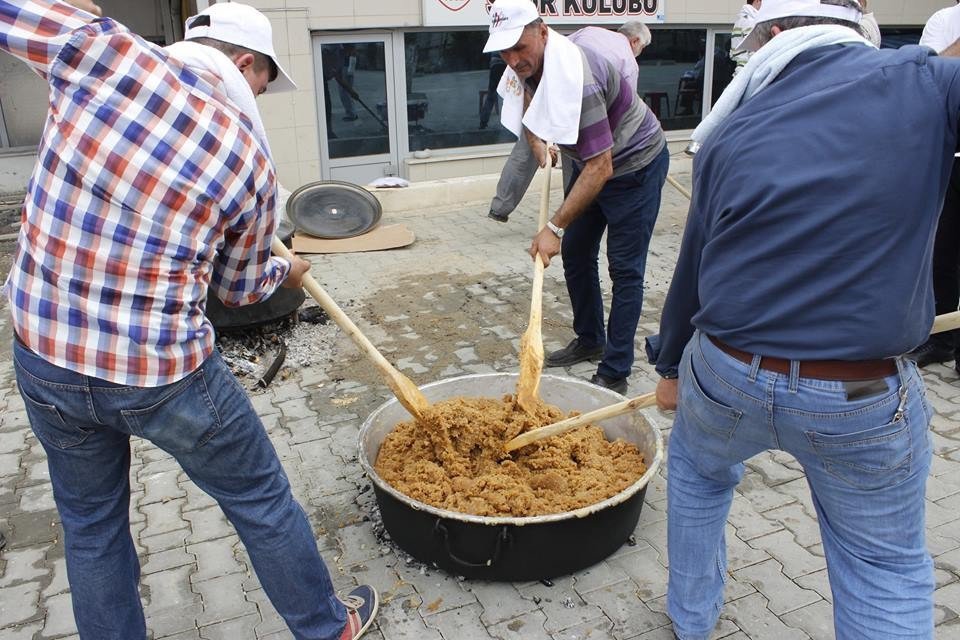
(401,87)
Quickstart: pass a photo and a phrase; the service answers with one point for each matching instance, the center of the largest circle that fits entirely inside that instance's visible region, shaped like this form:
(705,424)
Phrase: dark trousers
(946,256)
(626,208)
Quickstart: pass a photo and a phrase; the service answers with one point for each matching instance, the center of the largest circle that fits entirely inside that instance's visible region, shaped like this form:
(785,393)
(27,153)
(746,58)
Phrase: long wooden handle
(946,322)
(679,187)
(406,391)
(555,429)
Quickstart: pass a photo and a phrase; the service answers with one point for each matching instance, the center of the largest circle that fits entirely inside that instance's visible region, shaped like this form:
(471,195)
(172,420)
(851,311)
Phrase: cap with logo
(774,9)
(507,20)
(243,26)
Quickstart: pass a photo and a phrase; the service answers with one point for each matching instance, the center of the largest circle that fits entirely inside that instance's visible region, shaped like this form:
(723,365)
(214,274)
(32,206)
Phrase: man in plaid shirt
(154,186)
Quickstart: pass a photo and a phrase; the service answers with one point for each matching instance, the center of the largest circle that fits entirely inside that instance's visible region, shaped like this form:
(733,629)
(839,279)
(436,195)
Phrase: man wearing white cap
(154,189)
(577,93)
(803,275)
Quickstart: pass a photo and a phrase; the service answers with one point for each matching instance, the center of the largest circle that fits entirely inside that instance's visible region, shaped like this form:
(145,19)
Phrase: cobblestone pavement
(455,302)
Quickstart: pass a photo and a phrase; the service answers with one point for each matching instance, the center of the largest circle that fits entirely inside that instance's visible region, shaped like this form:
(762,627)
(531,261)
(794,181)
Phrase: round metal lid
(333,209)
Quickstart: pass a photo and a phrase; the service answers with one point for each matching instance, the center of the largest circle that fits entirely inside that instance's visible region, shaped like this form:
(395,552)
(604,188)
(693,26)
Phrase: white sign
(448,13)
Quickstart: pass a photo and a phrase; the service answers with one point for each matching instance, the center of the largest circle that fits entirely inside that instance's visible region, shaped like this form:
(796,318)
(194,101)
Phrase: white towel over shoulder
(207,60)
(554,111)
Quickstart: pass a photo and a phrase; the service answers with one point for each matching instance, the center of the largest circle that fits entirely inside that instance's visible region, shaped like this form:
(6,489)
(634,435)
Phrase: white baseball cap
(507,20)
(773,9)
(243,26)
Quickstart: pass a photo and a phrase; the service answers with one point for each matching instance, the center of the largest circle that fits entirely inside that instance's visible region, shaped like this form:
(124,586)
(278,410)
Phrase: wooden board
(390,236)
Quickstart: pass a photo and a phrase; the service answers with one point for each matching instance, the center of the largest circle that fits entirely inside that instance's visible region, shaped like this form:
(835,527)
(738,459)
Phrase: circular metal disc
(333,209)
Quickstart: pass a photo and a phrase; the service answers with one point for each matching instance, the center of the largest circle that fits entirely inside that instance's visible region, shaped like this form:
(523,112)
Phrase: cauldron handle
(440,530)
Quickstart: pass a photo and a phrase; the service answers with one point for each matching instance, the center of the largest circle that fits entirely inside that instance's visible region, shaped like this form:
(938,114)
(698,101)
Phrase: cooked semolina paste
(454,459)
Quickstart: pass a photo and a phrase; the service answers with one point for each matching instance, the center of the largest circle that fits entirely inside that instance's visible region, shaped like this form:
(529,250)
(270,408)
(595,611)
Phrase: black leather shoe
(572,354)
(614,384)
(931,352)
(499,217)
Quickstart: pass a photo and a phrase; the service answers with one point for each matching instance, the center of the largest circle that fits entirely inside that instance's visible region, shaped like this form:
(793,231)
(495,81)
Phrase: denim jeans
(866,461)
(626,208)
(207,423)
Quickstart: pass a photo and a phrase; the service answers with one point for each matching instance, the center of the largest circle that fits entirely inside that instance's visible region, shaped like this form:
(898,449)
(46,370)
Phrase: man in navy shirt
(803,274)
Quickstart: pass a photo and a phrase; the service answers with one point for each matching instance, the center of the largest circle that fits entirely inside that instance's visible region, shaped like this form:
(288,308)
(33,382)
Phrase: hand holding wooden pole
(403,388)
(557,428)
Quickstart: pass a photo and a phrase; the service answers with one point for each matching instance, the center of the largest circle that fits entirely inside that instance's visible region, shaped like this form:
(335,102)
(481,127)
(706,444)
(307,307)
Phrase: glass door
(356,98)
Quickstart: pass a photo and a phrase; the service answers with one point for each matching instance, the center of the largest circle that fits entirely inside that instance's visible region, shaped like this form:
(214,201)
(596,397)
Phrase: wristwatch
(557,231)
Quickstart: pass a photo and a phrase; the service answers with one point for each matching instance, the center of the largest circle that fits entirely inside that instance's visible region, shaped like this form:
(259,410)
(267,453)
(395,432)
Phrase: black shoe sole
(571,360)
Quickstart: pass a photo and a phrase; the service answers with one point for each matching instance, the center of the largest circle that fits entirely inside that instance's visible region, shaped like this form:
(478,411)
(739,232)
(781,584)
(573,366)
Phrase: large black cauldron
(281,304)
(503,548)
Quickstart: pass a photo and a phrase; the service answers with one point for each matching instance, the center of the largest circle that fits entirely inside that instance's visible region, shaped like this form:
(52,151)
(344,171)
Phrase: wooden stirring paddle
(531,343)
(555,429)
(403,388)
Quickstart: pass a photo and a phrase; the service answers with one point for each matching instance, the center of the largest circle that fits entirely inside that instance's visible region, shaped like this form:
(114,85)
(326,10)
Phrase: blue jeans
(866,461)
(207,423)
(626,208)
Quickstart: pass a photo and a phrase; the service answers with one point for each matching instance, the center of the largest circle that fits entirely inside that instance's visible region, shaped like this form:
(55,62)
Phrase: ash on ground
(308,337)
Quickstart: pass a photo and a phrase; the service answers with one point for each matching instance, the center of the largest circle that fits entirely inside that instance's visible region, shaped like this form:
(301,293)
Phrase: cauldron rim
(583,512)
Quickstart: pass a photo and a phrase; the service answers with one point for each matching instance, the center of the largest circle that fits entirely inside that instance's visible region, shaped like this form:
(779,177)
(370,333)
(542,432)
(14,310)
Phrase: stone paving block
(382,575)
(598,629)
(179,625)
(359,545)
(161,486)
(316,454)
(215,558)
(796,560)
(59,620)
(943,577)
(207,524)
(270,620)
(773,471)
(500,602)
(805,529)
(742,554)
(661,633)
(223,599)
(10,464)
(749,522)
(305,430)
(58,580)
(23,564)
(196,498)
(14,441)
(938,515)
(629,614)
(438,590)
(189,634)
(600,575)
(529,626)
(262,402)
(296,408)
(782,594)
(563,606)
(325,481)
(943,538)
(168,592)
(946,604)
(753,617)
(18,604)
(400,621)
(461,622)
(164,541)
(168,559)
(644,568)
(654,534)
(243,628)
(818,581)
(22,631)
(163,517)
(762,497)
(25,529)
(734,589)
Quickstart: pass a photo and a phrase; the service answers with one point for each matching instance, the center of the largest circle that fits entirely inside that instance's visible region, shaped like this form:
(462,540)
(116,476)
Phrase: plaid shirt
(150,188)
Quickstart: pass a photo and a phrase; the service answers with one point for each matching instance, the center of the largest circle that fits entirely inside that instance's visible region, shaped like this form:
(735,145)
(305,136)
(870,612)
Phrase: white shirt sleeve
(870,28)
(935,33)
